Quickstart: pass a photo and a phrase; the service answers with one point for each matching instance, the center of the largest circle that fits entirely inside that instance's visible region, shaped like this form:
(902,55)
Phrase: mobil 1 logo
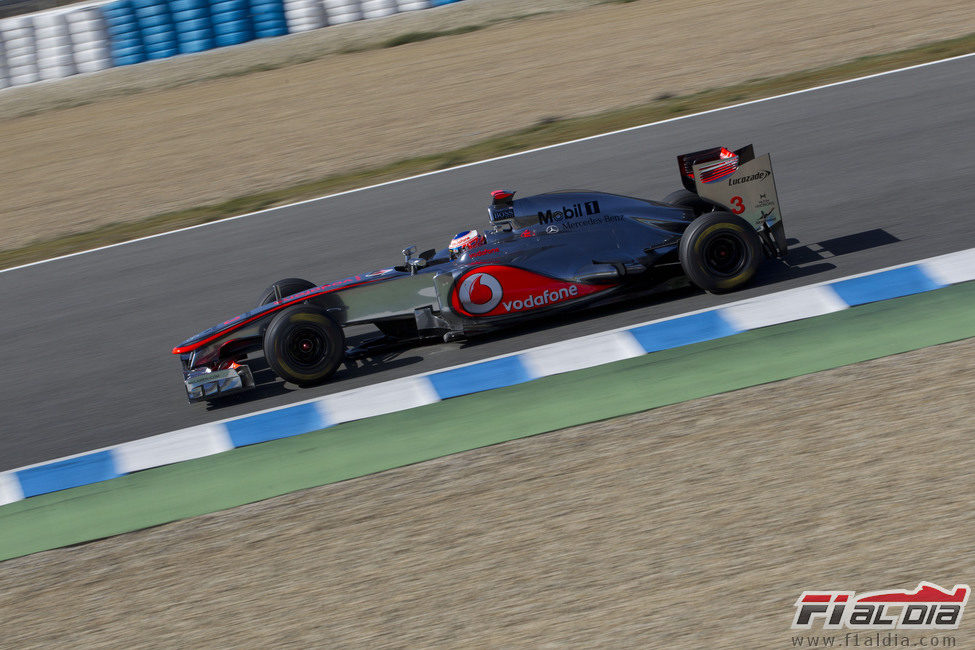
(569,212)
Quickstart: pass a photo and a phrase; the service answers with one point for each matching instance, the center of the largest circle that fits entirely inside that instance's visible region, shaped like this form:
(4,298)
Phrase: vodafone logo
(479,293)
(541,299)
(500,290)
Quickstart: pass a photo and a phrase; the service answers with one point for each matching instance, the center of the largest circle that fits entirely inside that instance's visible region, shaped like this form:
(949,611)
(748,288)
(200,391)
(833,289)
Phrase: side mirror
(408,252)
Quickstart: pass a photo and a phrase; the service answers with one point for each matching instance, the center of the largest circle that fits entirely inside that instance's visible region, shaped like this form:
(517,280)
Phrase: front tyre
(304,345)
(720,252)
(286,287)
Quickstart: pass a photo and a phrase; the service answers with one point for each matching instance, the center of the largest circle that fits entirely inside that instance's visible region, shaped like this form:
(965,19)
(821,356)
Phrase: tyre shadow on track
(837,246)
(810,259)
(267,384)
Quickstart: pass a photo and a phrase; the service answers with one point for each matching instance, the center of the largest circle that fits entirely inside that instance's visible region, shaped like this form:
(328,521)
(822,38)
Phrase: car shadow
(776,271)
(852,243)
(810,259)
(378,363)
(267,384)
(584,315)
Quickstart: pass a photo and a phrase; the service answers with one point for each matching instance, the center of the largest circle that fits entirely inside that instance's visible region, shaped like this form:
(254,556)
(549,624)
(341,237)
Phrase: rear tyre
(304,345)
(287,287)
(720,252)
(689,201)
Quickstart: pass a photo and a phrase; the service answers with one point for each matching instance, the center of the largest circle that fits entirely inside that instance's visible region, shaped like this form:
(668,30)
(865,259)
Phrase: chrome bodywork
(605,243)
(204,383)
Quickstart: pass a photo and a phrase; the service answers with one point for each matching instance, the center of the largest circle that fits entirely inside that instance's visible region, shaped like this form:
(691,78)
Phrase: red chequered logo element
(929,607)
(499,290)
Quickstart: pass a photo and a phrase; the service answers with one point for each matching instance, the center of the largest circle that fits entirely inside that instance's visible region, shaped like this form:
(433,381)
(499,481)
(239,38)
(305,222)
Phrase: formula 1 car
(543,254)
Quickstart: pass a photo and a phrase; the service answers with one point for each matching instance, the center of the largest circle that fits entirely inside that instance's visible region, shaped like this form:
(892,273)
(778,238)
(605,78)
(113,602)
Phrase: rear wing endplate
(736,181)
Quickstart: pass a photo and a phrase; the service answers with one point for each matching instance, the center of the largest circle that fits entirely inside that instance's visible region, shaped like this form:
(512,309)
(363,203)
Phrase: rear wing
(736,180)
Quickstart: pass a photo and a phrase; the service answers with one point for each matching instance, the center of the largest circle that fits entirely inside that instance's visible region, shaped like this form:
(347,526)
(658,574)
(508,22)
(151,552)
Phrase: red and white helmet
(466,240)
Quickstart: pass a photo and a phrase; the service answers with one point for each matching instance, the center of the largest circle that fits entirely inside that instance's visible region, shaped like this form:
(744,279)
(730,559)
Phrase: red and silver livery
(544,254)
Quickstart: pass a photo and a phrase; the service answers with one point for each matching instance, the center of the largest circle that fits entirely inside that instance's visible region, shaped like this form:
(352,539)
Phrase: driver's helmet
(466,240)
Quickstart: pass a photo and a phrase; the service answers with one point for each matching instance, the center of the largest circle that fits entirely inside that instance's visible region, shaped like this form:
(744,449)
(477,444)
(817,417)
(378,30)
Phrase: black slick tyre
(689,201)
(286,287)
(720,252)
(304,345)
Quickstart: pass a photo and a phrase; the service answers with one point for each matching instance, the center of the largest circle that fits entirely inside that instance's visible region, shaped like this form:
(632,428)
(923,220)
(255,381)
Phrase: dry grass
(127,157)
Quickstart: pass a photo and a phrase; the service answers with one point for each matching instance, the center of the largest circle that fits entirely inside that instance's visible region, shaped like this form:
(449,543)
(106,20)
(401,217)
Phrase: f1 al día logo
(929,607)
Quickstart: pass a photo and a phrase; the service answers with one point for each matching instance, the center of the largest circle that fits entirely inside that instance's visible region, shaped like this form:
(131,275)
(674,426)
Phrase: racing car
(542,254)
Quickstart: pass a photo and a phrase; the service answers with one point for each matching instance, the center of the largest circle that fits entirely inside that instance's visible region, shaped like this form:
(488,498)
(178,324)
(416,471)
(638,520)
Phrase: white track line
(489,160)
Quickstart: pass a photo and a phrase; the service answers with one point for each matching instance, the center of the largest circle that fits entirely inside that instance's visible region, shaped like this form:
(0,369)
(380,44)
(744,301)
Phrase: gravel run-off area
(695,525)
(150,142)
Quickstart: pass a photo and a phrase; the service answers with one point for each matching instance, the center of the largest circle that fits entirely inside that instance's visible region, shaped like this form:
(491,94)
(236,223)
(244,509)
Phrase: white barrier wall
(378,8)
(80,39)
(342,11)
(20,52)
(303,15)
(412,5)
(90,40)
(55,56)
(4,75)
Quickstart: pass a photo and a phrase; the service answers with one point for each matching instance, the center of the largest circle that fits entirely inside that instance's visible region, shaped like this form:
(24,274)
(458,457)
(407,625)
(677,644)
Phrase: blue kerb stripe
(682,331)
(498,373)
(884,285)
(64,474)
(276,424)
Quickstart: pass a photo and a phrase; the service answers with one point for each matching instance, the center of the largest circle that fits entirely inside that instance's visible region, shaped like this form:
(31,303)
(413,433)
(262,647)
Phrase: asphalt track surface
(870,174)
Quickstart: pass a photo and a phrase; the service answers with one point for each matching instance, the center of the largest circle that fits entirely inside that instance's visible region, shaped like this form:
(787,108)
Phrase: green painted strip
(354,449)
